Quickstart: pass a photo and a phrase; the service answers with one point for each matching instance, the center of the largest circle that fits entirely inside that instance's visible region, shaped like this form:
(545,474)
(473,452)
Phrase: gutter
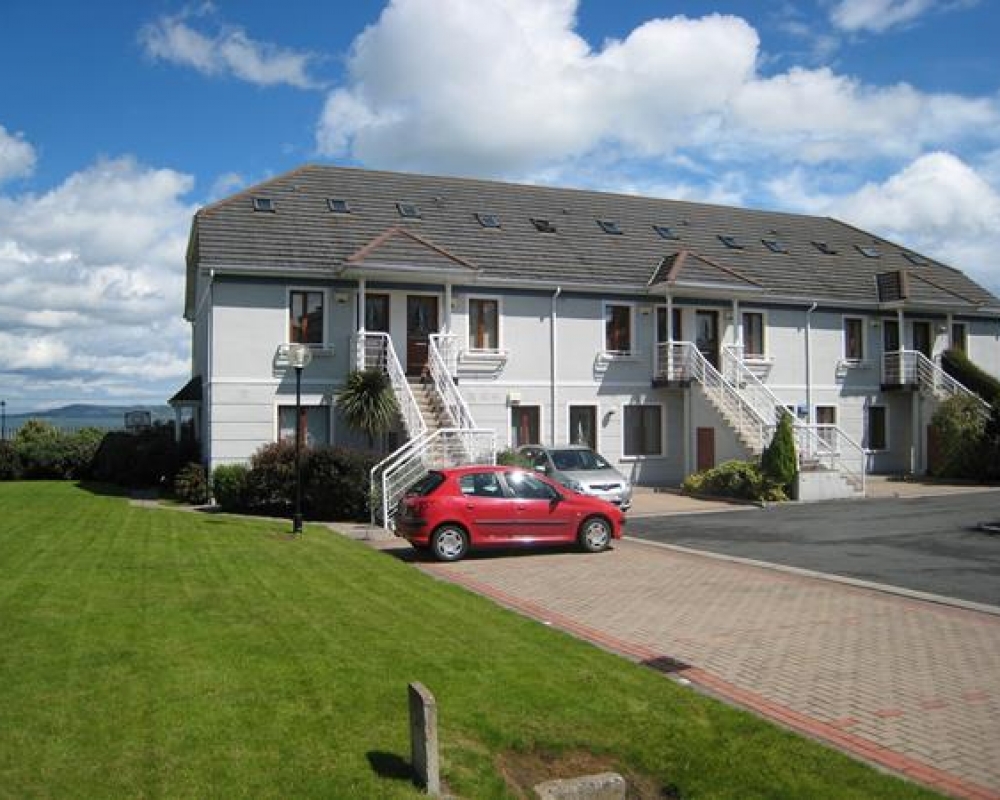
(809,404)
(553,353)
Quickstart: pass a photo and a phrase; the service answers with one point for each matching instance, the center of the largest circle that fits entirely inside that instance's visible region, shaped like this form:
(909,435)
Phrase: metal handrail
(375,351)
(913,367)
(444,382)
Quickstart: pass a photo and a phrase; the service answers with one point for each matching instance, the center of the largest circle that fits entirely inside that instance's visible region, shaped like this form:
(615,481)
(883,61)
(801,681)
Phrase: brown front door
(705,449)
(707,335)
(421,322)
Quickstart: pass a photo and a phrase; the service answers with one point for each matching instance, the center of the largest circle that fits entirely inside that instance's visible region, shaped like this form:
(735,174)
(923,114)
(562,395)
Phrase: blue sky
(118,120)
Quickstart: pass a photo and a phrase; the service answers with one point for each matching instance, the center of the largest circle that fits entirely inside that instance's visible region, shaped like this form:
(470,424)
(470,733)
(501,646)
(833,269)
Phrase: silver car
(581,469)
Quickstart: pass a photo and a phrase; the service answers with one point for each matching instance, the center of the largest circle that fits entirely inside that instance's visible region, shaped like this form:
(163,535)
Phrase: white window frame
(632,351)
(663,432)
(597,422)
(316,401)
(656,318)
(843,339)
(498,299)
(541,422)
(764,354)
(885,409)
(326,314)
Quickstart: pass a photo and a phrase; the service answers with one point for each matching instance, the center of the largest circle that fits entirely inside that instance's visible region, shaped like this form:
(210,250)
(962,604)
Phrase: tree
(778,461)
(368,403)
(959,425)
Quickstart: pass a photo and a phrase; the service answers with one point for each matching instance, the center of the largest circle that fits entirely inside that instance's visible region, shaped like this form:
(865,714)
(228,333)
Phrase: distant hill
(82,415)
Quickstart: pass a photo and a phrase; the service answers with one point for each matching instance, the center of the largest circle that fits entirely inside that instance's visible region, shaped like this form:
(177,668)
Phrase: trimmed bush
(335,484)
(960,431)
(229,486)
(957,364)
(191,484)
(148,458)
(739,479)
(46,452)
(10,462)
(271,479)
(778,462)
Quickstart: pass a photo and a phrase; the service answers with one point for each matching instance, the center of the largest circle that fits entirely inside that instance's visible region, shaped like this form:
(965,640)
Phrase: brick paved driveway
(908,684)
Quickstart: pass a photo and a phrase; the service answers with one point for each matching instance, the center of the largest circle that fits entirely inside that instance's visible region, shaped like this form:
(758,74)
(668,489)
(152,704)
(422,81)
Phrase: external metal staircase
(441,430)
(752,411)
(913,368)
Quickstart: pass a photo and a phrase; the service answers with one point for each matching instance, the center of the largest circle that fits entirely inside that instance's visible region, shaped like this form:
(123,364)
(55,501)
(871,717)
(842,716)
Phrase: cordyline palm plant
(368,403)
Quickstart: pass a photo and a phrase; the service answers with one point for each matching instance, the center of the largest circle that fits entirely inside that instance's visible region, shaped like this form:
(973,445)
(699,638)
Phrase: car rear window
(426,484)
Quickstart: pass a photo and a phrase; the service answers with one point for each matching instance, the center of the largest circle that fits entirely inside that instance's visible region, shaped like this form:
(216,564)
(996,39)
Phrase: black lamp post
(299,356)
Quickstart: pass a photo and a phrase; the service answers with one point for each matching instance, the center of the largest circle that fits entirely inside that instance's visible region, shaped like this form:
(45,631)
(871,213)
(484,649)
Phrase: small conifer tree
(779,462)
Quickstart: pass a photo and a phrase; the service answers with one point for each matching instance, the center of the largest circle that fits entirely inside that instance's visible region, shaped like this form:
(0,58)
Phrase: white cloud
(227,52)
(17,157)
(93,279)
(507,87)
(877,16)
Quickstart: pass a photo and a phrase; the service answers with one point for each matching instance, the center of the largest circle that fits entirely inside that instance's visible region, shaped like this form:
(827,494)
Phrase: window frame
(388,311)
(292,290)
(965,336)
(306,407)
(678,312)
(763,354)
(631,351)
(610,227)
(597,423)
(885,428)
(844,339)
(661,411)
(510,424)
(469,342)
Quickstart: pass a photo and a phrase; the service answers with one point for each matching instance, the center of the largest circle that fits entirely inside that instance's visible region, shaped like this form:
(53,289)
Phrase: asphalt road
(928,544)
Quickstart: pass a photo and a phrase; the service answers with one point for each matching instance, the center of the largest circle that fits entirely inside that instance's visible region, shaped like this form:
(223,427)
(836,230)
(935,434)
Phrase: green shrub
(148,458)
(990,445)
(229,486)
(46,452)
(512,458)
(739,479)
(957,364)
(335,484)
(191,484)
(271,479)
(779,463)
(960,428)
(10,462)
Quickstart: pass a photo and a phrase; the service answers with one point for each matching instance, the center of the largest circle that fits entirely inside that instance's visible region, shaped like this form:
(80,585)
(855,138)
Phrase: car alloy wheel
(595,534)
(449,543)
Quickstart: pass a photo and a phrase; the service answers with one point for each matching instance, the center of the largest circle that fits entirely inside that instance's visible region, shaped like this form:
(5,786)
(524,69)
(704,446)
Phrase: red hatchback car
(450,511)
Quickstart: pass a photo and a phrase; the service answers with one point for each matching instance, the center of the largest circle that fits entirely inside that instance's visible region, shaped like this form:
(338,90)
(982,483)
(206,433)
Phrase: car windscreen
(571,460)
(426,485)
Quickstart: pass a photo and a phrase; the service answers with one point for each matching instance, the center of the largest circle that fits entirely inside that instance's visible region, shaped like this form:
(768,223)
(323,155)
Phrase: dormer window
(488,220)
(408,210)
(543,225)
(666,232)
(730,242)
(824,248)
(774,246)
(610,226)
(338,206)
(265,204)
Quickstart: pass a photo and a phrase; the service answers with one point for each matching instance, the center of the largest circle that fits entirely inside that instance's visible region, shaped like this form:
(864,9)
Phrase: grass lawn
(156,653)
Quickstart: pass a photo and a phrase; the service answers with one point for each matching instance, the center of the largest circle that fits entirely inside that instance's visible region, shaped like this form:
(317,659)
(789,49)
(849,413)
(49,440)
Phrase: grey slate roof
(304,234)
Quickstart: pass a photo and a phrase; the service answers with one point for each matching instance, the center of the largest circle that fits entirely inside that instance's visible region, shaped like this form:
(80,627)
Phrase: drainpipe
(552,366)
(809,402)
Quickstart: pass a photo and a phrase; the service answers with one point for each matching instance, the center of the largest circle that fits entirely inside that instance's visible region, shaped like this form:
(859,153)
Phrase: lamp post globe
(299,356)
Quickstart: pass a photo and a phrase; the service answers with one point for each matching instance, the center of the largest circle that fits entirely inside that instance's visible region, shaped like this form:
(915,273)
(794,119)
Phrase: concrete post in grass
(424,739)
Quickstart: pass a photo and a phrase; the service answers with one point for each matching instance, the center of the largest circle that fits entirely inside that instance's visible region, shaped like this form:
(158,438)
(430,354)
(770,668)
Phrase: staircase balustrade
(375,351)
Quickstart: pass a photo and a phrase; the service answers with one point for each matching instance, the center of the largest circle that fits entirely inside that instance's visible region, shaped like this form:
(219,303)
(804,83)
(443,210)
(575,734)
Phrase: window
(661,325)
(774,246)
(875,429)
(314,423)
(338,206)
(617,329)
(824,248)
(524,426)
(609,226)
(377,313)
(408,210)
(959,337)
(753,334)
(730,242)
(488,220)
(264,204)
(583,425)
(868,250)
(484,331)
(826,421)
(854,338)
(666,232)
(643,431)
(917,261)
(481,484)
(305,317)
(527,486)
(543,225)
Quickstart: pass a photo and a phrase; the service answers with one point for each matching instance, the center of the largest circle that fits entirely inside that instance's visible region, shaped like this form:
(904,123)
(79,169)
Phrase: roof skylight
(824,248)
(488,220)
(666,232)
(543,225)
(264,204)
(408,210)
(868,250)
(730,242)
(774,246)
(609,226)
(338,206)
(913,258)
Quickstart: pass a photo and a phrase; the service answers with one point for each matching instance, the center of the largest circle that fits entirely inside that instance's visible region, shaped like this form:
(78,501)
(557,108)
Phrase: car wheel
(595,534)
(449,543)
